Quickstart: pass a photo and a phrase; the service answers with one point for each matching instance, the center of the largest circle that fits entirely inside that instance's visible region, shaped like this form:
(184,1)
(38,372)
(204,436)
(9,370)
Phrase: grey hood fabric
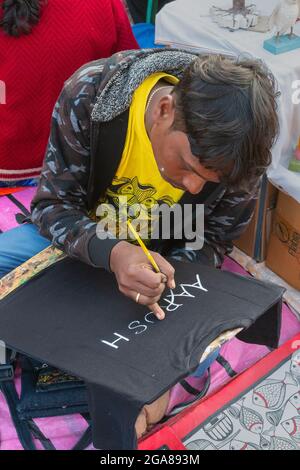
(115,93)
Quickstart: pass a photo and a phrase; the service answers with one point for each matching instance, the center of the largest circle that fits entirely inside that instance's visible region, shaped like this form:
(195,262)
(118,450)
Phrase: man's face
(172,151)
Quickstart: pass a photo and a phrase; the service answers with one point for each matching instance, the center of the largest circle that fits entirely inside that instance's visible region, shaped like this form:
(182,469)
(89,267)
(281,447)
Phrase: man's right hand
(134,274)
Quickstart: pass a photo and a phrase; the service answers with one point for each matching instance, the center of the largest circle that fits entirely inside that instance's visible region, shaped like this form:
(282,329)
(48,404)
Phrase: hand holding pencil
(145,286)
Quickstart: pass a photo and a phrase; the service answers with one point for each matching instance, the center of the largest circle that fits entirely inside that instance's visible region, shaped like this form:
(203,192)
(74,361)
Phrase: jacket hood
(125,72)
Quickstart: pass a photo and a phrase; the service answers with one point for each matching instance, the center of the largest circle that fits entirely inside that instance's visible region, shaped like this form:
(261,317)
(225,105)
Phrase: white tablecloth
(186,23)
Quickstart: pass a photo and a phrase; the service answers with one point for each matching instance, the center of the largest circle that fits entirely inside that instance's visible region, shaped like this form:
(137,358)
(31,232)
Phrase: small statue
(238,8)
(239,16)
(284,18)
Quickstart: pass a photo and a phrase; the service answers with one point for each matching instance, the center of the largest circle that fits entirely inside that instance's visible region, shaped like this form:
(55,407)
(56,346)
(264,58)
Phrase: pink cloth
(8,209)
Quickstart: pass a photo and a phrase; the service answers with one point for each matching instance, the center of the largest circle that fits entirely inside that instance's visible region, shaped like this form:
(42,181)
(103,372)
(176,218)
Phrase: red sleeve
(125,37)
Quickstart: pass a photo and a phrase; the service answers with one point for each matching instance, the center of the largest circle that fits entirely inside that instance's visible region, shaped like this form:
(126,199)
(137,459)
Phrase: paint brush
(143,246)
(152,261)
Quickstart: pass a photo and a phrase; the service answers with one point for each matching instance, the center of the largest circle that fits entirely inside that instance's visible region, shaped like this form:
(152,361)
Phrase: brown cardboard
(284,247)
(255,239)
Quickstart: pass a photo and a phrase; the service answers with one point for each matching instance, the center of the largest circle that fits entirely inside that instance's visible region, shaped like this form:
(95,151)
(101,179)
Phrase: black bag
(45,392)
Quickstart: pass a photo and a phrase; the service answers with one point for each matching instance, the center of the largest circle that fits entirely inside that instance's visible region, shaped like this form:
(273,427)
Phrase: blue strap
(19,204)
(37,433)
(224,363)
(85,440)
(198,395)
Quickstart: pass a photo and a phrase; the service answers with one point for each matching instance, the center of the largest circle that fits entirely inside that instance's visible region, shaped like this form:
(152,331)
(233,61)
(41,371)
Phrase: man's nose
(194,185)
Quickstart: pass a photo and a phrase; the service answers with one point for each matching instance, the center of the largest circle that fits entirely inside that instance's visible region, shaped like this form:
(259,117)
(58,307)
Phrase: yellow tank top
(138,178)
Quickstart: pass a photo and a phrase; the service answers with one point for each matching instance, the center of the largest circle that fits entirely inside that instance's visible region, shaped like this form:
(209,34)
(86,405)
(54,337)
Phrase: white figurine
(234,21)
(284,17)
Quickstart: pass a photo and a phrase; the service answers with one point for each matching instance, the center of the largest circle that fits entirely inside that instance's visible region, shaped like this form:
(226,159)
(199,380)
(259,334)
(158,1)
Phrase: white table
(187,24)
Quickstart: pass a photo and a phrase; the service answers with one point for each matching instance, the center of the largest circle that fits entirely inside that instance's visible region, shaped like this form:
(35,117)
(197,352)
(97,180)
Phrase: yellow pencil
(143,246)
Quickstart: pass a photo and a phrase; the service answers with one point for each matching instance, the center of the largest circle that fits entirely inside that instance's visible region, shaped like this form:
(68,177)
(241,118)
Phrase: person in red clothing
(42,43)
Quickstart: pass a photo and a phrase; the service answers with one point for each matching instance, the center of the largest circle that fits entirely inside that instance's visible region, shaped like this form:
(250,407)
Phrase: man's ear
(166,109)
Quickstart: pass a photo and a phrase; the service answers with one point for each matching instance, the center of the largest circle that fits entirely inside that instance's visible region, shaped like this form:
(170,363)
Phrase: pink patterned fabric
(8,209)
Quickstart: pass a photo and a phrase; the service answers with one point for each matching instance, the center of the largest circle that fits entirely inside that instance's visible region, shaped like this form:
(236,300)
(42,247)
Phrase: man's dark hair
(228,109)
(20,16)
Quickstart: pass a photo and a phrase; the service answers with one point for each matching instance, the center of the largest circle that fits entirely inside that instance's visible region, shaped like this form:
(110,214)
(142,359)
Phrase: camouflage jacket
(88,131)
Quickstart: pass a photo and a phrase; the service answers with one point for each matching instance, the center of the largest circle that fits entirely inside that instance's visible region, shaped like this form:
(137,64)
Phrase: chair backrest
(152,7)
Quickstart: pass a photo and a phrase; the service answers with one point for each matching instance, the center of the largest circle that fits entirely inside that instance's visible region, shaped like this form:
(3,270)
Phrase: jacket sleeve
(226,222)
(59,208)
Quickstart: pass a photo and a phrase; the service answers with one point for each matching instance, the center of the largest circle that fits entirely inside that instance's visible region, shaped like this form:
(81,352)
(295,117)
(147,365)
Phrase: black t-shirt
(72,316)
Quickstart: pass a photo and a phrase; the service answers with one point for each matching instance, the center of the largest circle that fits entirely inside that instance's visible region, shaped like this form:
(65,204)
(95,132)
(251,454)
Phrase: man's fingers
(150,301)
(139,287)
(151,279)
(147,276)
(163,277)
(167,269)
(145,300)
(157,311)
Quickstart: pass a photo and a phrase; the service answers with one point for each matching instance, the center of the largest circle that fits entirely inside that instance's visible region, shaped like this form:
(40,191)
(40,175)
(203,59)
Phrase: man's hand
(134,275)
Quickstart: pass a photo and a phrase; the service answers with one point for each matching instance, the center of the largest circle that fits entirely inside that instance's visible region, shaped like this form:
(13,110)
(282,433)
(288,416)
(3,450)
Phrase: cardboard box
(254,240)
(284,247)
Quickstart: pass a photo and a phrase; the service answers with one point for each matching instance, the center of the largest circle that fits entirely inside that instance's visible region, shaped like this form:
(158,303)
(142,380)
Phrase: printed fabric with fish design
(271,394)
